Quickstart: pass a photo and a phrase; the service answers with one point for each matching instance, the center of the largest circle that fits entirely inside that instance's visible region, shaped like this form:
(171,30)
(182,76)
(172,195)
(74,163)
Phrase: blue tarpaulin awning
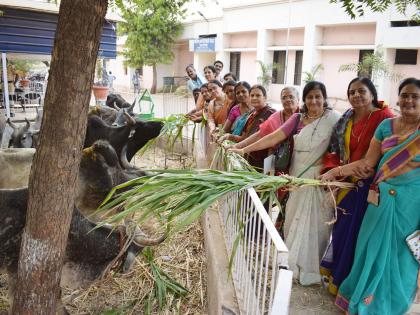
(31,32)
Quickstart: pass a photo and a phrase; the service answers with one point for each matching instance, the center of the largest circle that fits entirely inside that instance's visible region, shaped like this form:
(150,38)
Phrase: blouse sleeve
(233,114)
(383,130)
(289,125)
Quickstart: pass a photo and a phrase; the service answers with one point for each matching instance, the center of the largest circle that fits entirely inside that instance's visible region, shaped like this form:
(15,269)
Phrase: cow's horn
(11,124)
(130,109)
(116,106)
(142,239)
(28,124)
(130,120)
(124,162)
(88,151)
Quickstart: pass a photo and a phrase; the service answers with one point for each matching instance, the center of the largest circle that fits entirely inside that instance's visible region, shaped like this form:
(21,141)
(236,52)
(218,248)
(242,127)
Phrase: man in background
(219,67)
(195,79)
(135,79)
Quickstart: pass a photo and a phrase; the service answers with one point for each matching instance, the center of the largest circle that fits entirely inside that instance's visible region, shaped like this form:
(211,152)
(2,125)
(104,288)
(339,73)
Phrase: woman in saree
(220,106)
(383,278)
(290,101)
(350,142)
(305,230)
(238,115)
(260,113)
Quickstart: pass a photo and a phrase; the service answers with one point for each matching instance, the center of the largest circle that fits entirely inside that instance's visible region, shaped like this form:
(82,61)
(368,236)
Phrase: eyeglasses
(288,97)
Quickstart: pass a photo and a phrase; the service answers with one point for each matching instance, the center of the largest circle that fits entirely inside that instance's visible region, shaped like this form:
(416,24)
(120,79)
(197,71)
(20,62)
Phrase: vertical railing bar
(267,263)
(273,278)
(251,256)
(263,247)
(257,255)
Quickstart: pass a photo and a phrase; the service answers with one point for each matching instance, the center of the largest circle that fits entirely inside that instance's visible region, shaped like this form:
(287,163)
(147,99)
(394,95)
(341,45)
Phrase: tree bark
(56,163)
(154,84)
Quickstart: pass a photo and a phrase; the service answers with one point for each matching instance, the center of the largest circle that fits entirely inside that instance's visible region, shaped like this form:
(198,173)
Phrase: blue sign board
(204,44)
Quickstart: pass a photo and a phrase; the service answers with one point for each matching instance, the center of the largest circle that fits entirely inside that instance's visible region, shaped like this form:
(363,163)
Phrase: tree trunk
(154,84)
(56,163)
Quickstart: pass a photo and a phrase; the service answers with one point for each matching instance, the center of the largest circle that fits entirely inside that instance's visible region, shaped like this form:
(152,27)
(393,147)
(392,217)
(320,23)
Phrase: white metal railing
(259,270)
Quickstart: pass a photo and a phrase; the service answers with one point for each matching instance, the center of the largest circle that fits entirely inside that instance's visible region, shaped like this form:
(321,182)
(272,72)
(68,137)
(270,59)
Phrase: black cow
(107,114)
(100,171)
(116,101)
(90,249)
(142,132)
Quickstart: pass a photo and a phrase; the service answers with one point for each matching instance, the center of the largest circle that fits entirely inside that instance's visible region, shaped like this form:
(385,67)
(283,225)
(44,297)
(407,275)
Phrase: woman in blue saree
(383,278)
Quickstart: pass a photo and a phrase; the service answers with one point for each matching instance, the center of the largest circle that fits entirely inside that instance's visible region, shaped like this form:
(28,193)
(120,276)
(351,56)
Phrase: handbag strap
(297,120)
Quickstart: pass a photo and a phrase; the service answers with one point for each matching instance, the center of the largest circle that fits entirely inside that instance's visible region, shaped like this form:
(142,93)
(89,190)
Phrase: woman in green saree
(383,278)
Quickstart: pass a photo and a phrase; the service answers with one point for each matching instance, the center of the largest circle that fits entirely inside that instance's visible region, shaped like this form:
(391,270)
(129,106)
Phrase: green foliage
(171,131)
(374,63)
(357,8)
(162,286)
(311,75)
(151,28)
(24,66)
(266,76)
(180,197)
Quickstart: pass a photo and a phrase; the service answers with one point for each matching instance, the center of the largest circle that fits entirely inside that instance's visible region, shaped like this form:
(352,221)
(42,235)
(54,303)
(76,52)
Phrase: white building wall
(325,33)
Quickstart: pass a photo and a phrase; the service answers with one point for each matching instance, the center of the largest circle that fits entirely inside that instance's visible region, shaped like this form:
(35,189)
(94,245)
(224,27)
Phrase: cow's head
(21,136)
(143,132)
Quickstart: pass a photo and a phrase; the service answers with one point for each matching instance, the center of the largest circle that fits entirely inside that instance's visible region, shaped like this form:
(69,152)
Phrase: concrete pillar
(311,55)
(382,83)
(263,38)
(222,41)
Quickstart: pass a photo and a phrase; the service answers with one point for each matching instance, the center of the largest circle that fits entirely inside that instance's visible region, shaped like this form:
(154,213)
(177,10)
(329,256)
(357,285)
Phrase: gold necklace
(314,117)
(404,131)
(363,129)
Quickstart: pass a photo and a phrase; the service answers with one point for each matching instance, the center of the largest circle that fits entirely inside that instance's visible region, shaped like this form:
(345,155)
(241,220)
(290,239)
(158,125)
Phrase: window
(235,63)
(406,57)
(408,23)
(298,67)
(279,58)
(125,69)
(368,71)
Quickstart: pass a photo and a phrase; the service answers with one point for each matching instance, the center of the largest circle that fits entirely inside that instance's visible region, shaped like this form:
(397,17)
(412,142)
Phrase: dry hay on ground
(182,257)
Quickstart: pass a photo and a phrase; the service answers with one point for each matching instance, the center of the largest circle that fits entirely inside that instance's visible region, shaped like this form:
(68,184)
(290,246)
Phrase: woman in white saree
(307,211)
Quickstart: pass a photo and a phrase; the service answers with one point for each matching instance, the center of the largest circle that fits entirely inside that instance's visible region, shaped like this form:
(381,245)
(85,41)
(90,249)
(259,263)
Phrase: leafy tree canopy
(151,28)
(357,7)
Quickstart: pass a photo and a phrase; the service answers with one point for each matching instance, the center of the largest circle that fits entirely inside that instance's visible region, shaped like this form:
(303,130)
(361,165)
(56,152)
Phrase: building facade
(299,36)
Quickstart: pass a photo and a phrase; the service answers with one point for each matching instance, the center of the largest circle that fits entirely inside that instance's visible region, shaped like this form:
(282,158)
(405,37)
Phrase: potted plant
(100,86)
(22,68)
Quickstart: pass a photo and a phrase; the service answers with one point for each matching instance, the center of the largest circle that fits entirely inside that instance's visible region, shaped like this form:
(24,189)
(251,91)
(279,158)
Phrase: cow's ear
(129,260)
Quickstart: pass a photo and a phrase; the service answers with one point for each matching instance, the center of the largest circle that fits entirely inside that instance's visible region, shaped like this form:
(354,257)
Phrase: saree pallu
(239,124)
(383,279)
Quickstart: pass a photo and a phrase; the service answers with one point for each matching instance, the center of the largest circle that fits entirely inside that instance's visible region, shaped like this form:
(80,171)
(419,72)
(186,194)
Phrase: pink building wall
(243,40)
(407,71)
(295,38)
(183,58)
(349,35)
(248,71)
(337,82)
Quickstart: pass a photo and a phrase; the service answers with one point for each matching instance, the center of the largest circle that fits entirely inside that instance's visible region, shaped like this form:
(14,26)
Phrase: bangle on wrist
(340,171)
